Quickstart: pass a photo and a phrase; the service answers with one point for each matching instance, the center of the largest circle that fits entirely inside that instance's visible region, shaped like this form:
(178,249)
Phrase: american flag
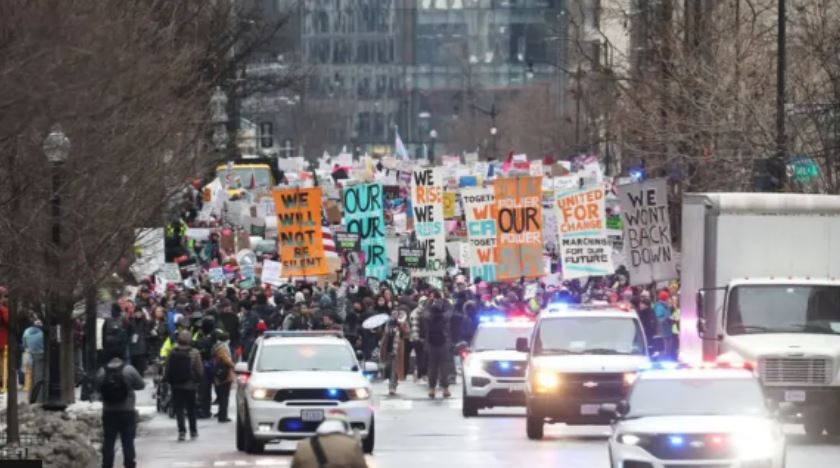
(326,236)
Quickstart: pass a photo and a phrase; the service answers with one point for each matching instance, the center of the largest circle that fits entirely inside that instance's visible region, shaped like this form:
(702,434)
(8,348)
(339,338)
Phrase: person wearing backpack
(117,381)
(184,371)
(204,342)
(114,331)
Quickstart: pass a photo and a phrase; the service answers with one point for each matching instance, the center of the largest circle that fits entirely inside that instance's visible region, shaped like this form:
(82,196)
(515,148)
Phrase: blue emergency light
(504,365)
(333,392)
(676,440)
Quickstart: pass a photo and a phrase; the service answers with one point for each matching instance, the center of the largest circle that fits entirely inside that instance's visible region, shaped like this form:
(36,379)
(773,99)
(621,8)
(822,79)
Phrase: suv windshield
(296,357)
(692,397)
(783,309)
(589,335)
(493,338)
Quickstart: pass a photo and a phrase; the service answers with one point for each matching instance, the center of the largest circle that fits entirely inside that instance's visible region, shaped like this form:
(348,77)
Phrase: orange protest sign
(299,237)
(519,228)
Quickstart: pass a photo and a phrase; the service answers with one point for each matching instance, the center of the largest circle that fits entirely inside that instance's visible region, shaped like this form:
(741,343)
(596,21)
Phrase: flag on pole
(399,148)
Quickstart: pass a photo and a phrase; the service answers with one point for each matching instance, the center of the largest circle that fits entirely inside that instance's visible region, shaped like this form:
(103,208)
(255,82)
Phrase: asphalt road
(413,431)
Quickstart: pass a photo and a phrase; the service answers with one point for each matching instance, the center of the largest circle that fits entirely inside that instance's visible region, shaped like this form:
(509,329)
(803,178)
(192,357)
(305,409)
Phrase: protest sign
(299,235)
(480,213)
(581,223)
(396,202)
(364,215)
(435,282)
(216,275)
(271,273)
(647,231)
(449,203)
(427,206)
(519,227)
(149,252)
(402,280)
(246,271)
(171,273)
(410,257)
(354,267)
(347,242)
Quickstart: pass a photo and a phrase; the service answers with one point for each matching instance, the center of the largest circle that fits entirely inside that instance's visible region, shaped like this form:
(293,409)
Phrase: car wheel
(534,427)
(367,443)
(240,438)
(814,425)
(469,407)
(249,442)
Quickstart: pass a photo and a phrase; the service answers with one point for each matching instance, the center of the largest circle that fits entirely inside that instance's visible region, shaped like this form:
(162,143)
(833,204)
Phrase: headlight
(546,380)
(360,393)
(630,378)
(629,439)
(262,393)
(475,365)
(756,443)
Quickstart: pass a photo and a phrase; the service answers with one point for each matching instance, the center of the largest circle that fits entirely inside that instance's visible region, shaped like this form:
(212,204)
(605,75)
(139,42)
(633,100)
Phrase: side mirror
(241,368)
(700,300)
(522,345)
(370,367)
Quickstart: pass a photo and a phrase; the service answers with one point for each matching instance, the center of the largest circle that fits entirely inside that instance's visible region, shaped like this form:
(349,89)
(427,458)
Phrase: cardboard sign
(435,282)
(410,257)
(519,227)
(271,273)
(647,232)
(247,271)
(299,236)
(480,214)
(347,242)
(427,206)
(581,223)
(364,215)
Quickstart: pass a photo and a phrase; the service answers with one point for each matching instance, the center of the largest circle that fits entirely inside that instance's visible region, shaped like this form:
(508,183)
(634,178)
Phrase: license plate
(312,415)
(589,410)
(516,388)
(795,396)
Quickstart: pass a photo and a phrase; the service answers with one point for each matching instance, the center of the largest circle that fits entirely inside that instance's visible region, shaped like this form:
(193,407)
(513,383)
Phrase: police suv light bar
(303,334)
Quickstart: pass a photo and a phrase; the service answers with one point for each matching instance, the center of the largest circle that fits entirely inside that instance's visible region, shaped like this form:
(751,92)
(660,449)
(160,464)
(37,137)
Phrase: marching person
(437,342)
(391,349)
(117,381)
(223,373)
(184,371)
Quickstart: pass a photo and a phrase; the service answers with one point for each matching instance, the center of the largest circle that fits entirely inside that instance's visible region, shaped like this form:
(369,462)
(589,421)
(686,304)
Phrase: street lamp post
(433,134)
(57,149)
(494,137)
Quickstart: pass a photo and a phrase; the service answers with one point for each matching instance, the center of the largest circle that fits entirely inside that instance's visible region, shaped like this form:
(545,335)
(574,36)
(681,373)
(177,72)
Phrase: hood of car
(499,355)
(723,424)
(308,379)
(578,363)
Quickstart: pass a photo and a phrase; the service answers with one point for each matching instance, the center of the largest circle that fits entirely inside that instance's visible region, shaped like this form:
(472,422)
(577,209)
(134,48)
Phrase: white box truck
(760,277)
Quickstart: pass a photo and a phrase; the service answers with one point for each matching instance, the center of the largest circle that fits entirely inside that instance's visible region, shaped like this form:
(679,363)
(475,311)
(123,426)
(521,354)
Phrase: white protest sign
(199,234)
(480,215)
(647,232)
(171,273)
(151,252)
(581,222)
(216,275)
(271,271)
(427,205)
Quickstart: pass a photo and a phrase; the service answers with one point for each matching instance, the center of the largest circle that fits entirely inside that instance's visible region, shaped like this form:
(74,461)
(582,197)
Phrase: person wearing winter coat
(391,349)
(139,331)
(184,371)
(416,339)
(223,373)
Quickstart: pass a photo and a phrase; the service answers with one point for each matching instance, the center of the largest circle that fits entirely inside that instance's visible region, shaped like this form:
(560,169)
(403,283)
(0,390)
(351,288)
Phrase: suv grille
(311,394)
(804,371)
(506,368)
(606,385)
(692,447)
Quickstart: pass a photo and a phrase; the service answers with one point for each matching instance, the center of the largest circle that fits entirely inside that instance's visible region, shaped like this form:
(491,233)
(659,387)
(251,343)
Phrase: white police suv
(291,381)
(695,417)
(580,357)
(494,371)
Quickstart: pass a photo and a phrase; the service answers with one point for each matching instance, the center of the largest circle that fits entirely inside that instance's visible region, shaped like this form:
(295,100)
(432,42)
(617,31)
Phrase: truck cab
(760,283)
